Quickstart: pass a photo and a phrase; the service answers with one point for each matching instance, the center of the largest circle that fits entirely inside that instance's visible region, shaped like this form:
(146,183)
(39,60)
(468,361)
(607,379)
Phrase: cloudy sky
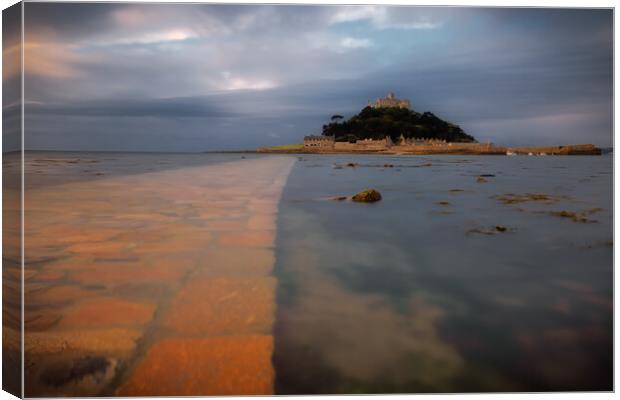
(187,77)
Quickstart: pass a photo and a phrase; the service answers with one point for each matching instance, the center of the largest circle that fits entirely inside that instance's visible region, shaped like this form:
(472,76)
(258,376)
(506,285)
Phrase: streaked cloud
(240,76)
(245,84)
(355,43)
(384,17)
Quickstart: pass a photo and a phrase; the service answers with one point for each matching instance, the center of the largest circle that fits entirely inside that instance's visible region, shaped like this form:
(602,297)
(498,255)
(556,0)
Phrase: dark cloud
(163,108)
(187,76)
(69,20)
(11,80)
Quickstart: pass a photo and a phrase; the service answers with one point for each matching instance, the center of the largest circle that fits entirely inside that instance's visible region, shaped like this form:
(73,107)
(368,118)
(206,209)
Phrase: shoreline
(565,150)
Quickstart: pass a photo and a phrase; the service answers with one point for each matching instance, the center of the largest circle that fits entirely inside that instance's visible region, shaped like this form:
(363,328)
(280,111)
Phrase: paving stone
(239,365)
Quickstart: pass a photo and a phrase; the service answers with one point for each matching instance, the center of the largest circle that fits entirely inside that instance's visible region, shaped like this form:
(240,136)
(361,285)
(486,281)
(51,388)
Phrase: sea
(421,292)
(472,274)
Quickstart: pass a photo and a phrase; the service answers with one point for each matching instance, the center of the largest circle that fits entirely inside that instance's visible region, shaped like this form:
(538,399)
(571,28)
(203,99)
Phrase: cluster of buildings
(390,101)
(403,141)
(319,142)
(316,142)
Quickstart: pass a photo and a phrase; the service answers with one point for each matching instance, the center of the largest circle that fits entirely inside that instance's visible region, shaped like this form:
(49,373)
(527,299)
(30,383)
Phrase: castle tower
(391,101)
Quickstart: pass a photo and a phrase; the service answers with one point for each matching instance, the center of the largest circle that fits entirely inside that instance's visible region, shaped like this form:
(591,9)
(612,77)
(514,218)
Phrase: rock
(61,373)
(491,231)
(352,165)
(481,180)
(339,198)
(367,196)
(479,231)
(487,175)
(388,165)
(581,216)
(528,197)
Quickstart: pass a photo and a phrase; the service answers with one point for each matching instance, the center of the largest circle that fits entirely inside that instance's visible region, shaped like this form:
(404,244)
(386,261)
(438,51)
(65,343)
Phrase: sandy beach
(157,277)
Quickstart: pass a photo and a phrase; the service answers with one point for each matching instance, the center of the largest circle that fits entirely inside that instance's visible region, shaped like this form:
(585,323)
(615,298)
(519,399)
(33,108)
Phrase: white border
(463,3)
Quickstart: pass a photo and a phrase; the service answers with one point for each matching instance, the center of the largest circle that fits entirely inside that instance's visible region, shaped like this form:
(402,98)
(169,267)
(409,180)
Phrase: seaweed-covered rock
(367,196)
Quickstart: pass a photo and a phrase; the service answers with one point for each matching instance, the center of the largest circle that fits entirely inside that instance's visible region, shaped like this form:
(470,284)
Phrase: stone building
(365,145)
(318,142)
(390,101)
(416,141)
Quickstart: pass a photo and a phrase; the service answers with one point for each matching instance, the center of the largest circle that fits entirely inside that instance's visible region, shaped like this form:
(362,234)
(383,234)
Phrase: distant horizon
(229,77)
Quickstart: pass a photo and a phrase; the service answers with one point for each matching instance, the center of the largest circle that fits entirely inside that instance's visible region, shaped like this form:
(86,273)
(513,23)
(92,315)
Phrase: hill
(376,123)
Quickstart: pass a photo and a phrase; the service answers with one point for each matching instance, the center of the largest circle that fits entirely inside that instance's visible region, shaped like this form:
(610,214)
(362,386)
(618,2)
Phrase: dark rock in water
(388,165)
(479,231)
(487,175)
(581,216)
(481,180)
(367,196)
(352,165)
(57,374)
(491,231)
(88,366)
(537,197)
(339,198)
(61,373)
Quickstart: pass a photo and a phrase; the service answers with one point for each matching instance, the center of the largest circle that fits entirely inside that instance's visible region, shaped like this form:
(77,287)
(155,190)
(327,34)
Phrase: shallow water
(421,293)
(152,274)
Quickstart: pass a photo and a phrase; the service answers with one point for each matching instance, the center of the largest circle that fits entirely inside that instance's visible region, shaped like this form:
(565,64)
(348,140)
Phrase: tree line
(377,123)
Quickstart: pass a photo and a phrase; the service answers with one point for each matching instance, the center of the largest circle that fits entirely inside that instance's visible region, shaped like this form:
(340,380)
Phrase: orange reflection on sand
(237,365)
(153,284)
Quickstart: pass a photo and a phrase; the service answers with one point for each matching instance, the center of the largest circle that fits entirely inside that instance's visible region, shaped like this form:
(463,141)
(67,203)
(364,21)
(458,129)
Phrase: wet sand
(11,274)
(153,284)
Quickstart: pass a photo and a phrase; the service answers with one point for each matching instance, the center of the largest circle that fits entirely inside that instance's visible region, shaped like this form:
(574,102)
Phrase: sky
(192,77)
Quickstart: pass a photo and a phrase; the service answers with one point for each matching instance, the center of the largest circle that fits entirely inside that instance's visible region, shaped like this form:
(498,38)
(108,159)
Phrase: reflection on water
(11,273)
(442,286)
(150,280)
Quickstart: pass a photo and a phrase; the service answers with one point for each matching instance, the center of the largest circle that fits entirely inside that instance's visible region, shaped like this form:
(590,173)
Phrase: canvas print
(232,199)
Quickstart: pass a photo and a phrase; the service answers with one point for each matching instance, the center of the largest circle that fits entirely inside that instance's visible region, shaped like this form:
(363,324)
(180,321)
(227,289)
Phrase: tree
(377,123)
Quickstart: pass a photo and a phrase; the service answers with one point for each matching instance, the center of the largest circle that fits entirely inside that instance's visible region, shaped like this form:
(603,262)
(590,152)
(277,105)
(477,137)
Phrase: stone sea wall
(447,148)
(573,149)
(153,284)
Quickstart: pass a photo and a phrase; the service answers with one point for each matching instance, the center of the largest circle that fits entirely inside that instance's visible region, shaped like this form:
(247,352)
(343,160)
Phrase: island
(390,126)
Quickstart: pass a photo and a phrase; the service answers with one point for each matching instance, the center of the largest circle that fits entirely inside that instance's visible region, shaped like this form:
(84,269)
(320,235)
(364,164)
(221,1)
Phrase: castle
(318,142)
(390,101)
(328,144)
